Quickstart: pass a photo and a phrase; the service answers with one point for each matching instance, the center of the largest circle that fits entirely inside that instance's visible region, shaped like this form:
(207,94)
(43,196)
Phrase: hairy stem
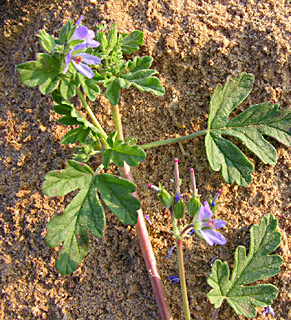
(143,235)
(183,278)
(91,114)
(173,140)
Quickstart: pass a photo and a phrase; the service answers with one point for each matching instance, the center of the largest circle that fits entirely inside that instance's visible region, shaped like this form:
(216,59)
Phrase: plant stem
(183,278)
(143,235)
(91,114)
(173,140)
(215,313)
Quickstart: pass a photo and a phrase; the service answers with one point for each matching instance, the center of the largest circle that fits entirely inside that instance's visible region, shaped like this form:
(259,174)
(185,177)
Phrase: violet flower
(81,61)
(204,226)
(174,279)
(270,310)
(87,35)
(170,252)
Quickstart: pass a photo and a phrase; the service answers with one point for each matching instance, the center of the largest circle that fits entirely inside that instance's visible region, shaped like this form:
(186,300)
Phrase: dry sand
(195,46)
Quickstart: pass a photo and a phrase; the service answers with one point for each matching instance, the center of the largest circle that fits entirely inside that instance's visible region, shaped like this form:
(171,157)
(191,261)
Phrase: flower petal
(93,44)
(211,236)
(67,61)
(80,33)
(79,21)
(205,212)
(218,223)
(90,36)
(174,279)
(80,46)
(89,59)
(84,69)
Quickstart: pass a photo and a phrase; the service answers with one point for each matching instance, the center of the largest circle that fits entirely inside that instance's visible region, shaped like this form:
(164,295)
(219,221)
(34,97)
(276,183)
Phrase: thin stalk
(91,114)
(179,243)
(173,140)
(183,279)
(143,235)
(215,313)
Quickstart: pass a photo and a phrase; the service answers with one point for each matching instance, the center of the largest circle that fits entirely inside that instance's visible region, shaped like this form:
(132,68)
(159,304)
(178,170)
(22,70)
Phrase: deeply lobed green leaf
(116,194)
(42,73)
(250,126)
(85,212)
(121,152)
(256,265)
(73,117)
(132,41)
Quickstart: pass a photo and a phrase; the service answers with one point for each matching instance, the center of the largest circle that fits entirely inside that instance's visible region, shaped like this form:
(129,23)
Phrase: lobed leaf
(116,194)
(42,73)
(141,77)
(121,152)
(69,84)
(46,41)
(250,126)
(131,42)
(61,182)
(73,117)
(89,86)
(257,265)
(113,90)
(85,212)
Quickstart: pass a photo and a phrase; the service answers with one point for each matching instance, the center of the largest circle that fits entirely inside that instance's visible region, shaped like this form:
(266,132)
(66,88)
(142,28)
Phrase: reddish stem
(143,236)
(148,255)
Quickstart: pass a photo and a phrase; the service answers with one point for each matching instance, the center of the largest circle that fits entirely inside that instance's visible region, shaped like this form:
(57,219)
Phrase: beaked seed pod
(165,198)
(179,209)
(193,206)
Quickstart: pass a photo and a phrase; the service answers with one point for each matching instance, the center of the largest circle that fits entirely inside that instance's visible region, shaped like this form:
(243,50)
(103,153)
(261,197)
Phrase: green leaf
(42,73)
(68,86)
(113,90)
(250,126)
(257,265)
(131,42)
(73,117)
(90,87)
(77,134)
(141,77)
(123,152)
(116,194)
(61,182)
(84,213)
(111,39)
(46,41)
(140,63)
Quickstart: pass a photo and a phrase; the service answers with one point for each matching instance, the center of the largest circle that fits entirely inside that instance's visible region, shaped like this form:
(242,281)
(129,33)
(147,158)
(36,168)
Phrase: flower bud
(165,198)
(193,206)
(179,209)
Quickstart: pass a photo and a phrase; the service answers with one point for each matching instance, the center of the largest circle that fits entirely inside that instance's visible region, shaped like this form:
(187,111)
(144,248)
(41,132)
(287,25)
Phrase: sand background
(195,46)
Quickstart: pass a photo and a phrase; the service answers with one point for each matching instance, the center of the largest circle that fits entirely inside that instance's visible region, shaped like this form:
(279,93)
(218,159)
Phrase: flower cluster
(202,223)
(79,59)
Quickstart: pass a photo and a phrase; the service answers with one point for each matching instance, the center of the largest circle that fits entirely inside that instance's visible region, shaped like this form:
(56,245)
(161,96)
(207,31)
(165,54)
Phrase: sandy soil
(195,45)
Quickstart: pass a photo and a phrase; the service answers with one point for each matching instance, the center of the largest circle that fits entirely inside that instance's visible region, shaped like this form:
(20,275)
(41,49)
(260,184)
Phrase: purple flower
(178,197)
(174,279)
(148,219)
(270,310)
(83,33)
(216,197)
(204,226)
(81,61)
(170,252)
(212,261)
